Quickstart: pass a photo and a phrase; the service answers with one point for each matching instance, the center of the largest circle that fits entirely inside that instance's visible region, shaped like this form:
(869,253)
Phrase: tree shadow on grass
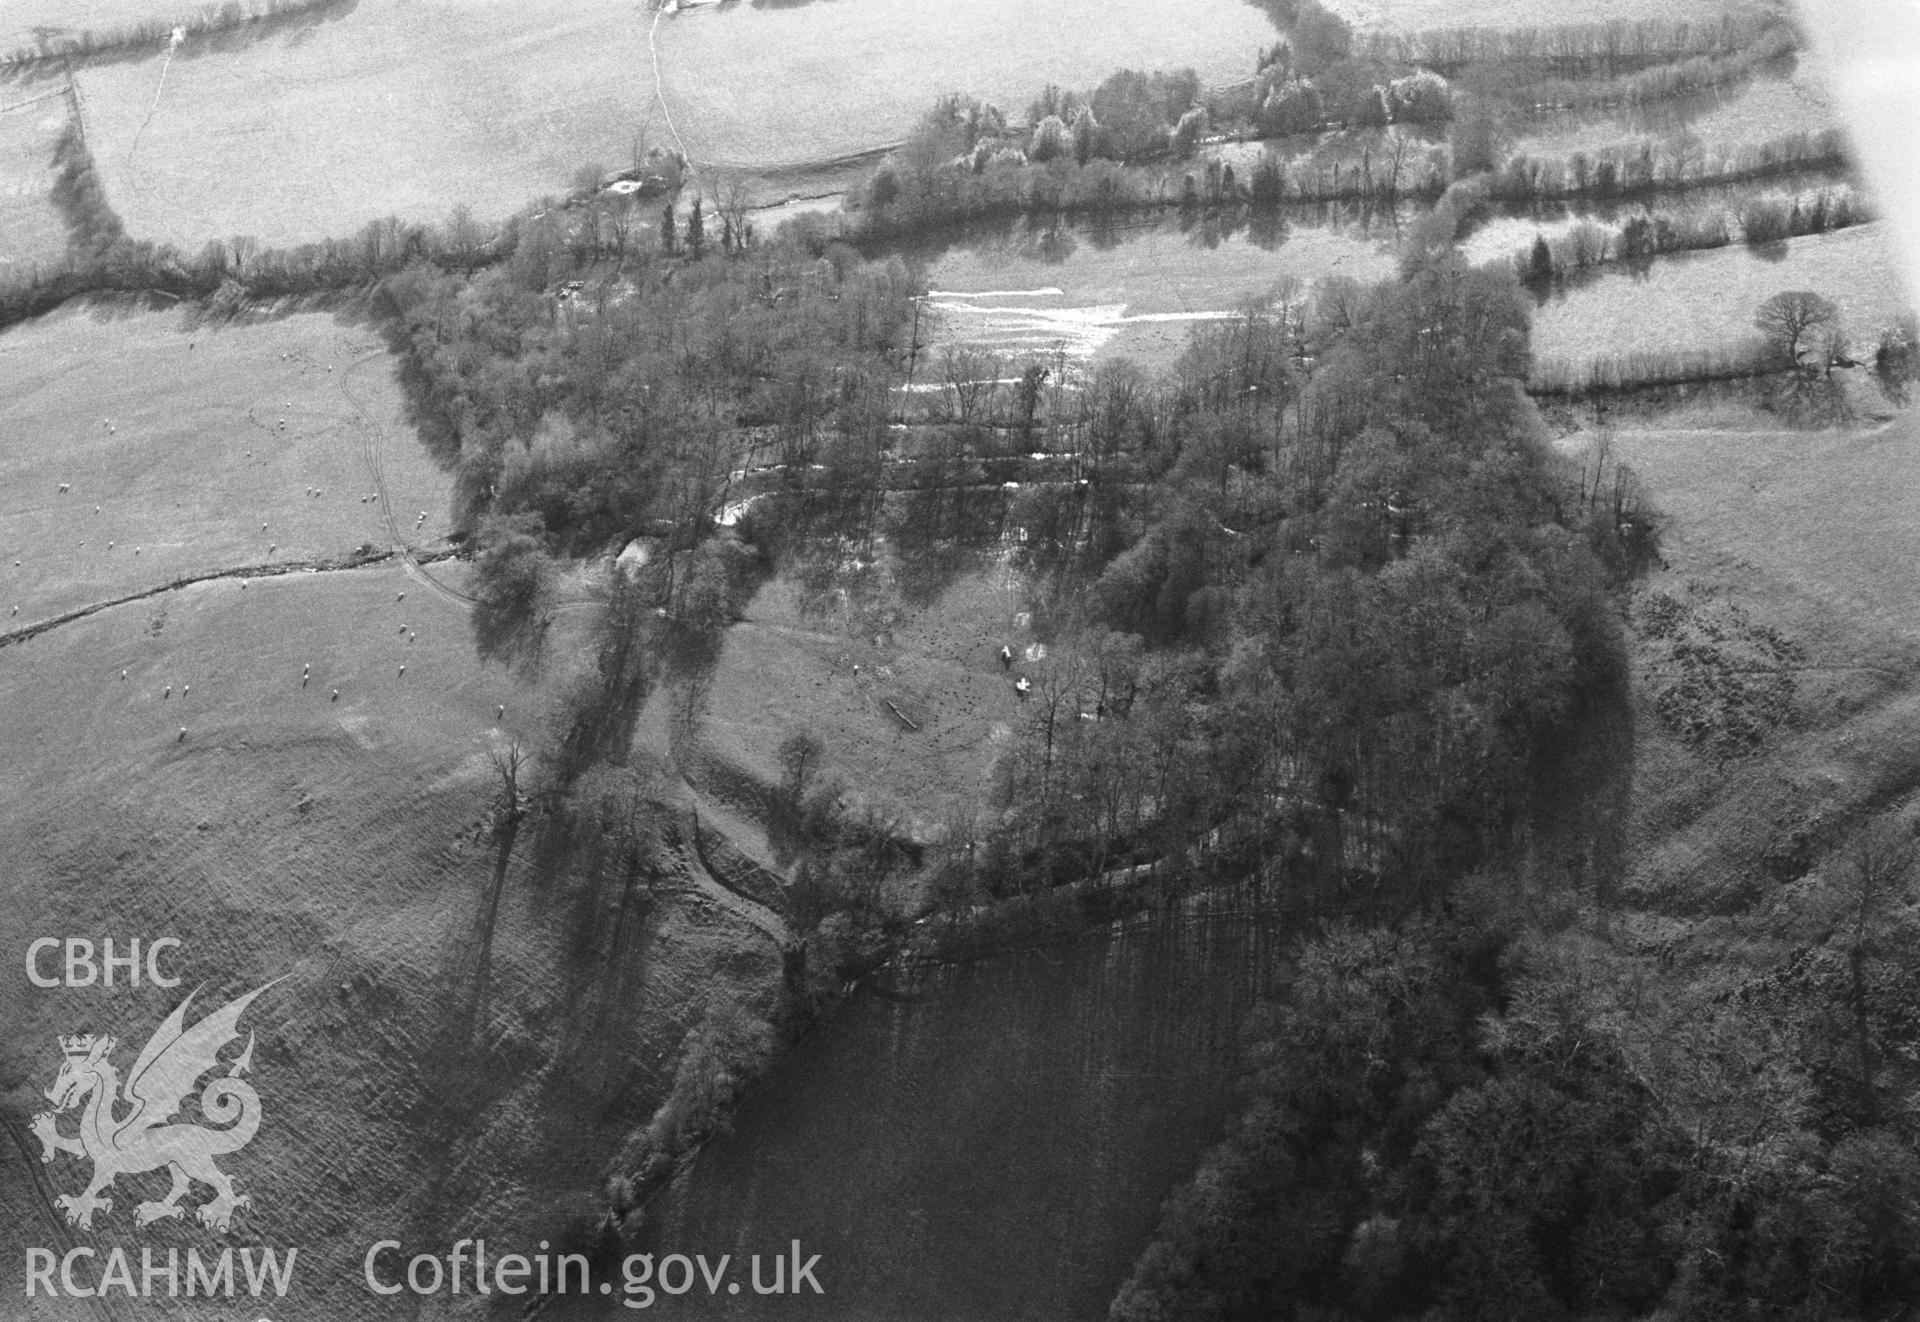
(514,639)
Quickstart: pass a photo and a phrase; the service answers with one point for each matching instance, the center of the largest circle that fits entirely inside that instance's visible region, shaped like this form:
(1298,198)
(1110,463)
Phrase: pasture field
(339,844)
(1763,109)
(1134,290)
(188,440)
(193,773)
(1707,299)
(1801,536)
(788,666)
(402,107)
(757,86)
(1826,518)
(30,228)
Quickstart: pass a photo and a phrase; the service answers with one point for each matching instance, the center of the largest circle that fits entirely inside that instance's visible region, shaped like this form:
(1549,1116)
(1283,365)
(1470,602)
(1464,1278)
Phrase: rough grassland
(176,434)
(1707,300)
(1789,588)
(30,229)
(403,107)
(753,85)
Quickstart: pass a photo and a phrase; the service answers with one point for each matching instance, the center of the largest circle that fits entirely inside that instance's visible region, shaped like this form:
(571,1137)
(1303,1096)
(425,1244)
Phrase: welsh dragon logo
(174,1059)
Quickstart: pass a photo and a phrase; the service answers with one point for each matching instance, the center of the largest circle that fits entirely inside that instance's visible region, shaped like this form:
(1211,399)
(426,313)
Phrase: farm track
(374,437)
(656,729)
(278,569)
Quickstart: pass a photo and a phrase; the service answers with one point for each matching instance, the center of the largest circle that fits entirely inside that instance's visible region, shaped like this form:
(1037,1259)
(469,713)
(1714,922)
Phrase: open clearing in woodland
(401,107)
(785,669)
(1131,290)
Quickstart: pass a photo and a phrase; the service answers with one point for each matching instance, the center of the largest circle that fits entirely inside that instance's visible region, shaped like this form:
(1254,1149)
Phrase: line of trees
(923,185)
(1645,87)
(552,240)
(1646,369)
(1608,48)
(1641,237)
(1631,170)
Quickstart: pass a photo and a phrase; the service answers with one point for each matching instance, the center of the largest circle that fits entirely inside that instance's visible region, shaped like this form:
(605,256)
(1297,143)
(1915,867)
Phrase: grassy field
(1138,297)
(336,840)
(403,107)
(1808,538)
(1760,110)
(409,108)
(341,844)
(30,229)
(1701,300)
(188,440)
(753,86)
(1825,517)
(785,668)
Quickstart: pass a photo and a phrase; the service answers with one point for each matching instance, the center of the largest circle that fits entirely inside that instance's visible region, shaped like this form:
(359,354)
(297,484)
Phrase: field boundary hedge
(157,34)
(1576,47)
(1619,373)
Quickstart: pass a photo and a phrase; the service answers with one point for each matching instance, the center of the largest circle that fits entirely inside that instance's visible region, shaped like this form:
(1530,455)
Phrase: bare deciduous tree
(1790,319)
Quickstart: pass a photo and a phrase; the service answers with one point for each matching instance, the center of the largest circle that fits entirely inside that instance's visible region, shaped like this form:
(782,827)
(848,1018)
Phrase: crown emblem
(78,1045)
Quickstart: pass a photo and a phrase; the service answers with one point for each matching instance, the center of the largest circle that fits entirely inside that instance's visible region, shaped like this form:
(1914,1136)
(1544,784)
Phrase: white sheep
(183,735)
(403,670)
